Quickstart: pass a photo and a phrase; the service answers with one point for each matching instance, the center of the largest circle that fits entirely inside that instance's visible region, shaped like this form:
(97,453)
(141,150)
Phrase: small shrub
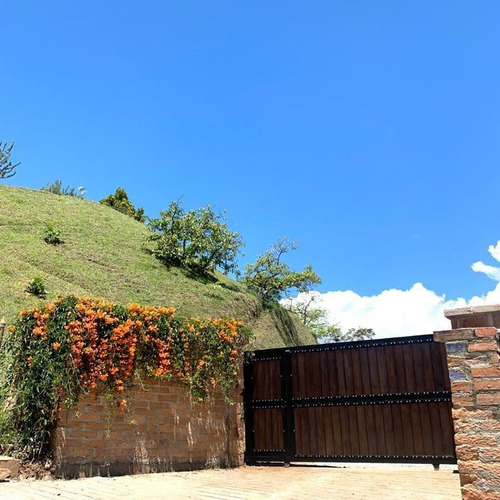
(52,236)
(57,188)
(120,202)
(37,287)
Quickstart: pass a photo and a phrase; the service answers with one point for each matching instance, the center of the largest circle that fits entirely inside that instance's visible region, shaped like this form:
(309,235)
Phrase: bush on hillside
(37,287)
(120,201)
(198,240)
(52,236)
(56,187)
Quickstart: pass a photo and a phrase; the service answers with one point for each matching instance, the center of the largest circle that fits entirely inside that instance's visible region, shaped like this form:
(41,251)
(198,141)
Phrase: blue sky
(365,131)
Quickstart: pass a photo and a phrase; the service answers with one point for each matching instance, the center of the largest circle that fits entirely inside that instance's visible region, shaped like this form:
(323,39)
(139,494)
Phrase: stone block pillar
(472,348)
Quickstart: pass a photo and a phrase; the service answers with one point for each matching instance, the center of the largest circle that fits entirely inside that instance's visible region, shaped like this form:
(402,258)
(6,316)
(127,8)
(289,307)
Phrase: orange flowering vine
(84,345)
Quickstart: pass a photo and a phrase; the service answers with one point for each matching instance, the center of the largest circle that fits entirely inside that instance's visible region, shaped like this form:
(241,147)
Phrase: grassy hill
(103,255)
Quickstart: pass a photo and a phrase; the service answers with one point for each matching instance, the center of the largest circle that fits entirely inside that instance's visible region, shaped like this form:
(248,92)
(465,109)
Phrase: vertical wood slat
(337,430)
(430,384)
(373,369)
(437,367)
(418,368)
(302,412)
(348,373)
(365,371)
(437,432)
(447,427)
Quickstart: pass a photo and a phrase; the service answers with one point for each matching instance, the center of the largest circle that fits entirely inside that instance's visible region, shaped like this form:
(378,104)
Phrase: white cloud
(495,251)
(491,271)
(395,313)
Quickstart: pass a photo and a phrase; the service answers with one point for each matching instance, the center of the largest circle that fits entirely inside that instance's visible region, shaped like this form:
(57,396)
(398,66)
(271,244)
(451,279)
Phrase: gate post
(472,349)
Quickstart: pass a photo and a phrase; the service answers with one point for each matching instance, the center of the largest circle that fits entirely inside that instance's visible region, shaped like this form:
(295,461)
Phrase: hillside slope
(103,255)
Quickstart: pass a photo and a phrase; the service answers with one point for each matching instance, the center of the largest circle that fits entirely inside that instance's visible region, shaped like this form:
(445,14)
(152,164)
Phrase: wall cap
(463,311)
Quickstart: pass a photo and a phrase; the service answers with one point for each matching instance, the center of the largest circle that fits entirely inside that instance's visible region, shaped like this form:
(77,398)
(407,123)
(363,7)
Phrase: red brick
(488,469)
(170,398)
(467,479)
(78,452)
(482,346)
(142,411)
(469,492)
(467,453)
(487,385)
(488,398)
(146,396)
(462,400)
(138,420)
(485,371)
(488,454)
(82,433)
(489,425)
(465,425)
(475,440)
(486,332)
(96,443)
(455,362)
(452,335)
(460,386)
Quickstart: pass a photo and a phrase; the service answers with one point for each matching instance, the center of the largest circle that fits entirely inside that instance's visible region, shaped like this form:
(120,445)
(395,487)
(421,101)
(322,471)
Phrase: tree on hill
(120,201)
(316,320)
(271,279)
(7,168)
(197,240)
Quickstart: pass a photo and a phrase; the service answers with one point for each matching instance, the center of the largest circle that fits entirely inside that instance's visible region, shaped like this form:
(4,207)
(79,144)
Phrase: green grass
(104,255)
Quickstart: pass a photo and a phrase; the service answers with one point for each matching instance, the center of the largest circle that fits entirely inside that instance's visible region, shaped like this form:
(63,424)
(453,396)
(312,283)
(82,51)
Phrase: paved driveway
(296,482)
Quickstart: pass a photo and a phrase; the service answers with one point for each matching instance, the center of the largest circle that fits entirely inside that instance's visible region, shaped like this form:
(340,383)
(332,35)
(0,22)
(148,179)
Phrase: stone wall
(473,359)
(163,430)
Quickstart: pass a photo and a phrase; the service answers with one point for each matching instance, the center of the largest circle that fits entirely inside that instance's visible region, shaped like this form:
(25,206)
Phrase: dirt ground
(295,482)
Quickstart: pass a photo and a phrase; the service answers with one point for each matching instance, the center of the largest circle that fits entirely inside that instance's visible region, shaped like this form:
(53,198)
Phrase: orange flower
(56,345)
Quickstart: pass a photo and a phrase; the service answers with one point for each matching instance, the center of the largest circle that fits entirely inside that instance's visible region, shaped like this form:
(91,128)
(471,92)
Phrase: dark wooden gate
(380,400)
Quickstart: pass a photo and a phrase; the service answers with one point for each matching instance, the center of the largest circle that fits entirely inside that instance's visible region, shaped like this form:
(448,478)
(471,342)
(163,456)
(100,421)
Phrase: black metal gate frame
(288,403)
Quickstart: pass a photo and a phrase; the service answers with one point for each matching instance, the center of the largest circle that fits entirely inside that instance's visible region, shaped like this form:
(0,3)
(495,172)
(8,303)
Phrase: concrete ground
(354,482)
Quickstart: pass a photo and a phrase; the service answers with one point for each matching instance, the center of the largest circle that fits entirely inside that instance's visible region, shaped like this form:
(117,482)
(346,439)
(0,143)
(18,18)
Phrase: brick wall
(164,430)
(473,361)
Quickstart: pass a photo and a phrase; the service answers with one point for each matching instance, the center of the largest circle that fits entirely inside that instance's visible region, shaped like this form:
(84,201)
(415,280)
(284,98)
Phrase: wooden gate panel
(268,425)
(344,431)
(384,400)
(267,382)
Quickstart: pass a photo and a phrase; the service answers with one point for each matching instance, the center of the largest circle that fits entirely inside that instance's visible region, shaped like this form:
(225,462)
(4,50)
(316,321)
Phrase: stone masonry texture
(473,361)
(163,429)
